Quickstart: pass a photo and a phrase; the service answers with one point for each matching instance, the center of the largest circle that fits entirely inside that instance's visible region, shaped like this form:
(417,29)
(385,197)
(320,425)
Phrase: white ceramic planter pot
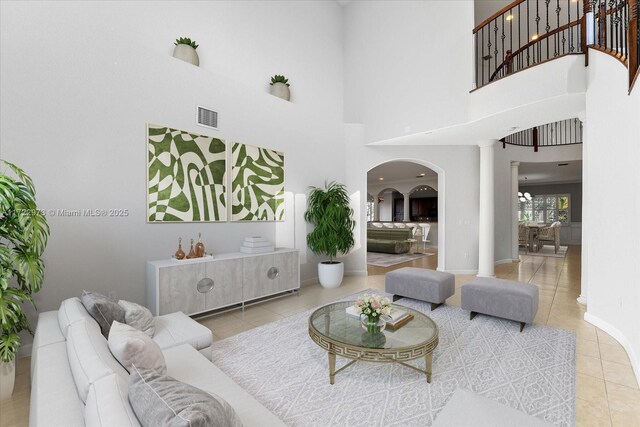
(330,274)
(186,53)
(281,90)
(7,379)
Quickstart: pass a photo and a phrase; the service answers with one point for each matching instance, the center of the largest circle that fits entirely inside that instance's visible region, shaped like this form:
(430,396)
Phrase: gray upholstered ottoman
(421,284)
(501,298)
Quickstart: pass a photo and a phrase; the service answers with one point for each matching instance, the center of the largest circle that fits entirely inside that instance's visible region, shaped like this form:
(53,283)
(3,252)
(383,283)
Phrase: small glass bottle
(200,247)
(179,253)
(192,253)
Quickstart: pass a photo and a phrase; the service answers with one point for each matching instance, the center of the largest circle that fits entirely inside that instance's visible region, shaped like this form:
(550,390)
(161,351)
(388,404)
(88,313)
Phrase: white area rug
(532,371)
(550,251)
(387,260)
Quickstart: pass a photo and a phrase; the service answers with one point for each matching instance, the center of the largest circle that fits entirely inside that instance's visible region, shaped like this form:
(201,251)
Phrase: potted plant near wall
(23,236)
(280,87)
(186,50)
(329,211)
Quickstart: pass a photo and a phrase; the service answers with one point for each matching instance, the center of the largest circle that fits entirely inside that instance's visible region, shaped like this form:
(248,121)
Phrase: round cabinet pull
(205,285)
(273,273)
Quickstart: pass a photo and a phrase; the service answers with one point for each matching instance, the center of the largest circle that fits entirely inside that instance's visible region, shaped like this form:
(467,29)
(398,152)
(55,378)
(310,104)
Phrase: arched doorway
(406,192)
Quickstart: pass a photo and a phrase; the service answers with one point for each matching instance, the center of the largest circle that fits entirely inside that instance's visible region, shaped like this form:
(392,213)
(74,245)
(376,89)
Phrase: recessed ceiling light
(509,17)
(381,179)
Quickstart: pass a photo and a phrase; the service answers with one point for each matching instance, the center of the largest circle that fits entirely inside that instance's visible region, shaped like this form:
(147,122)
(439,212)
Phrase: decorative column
(514,212)
(376,209)
(486,248)
(407,207)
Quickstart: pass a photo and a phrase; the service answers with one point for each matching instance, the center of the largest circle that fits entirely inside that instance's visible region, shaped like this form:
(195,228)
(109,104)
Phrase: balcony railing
(565,132)
(526,33)
(530,32)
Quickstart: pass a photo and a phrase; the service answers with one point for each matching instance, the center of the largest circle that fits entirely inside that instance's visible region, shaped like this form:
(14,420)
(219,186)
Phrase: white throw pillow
(139,317)
(131,346)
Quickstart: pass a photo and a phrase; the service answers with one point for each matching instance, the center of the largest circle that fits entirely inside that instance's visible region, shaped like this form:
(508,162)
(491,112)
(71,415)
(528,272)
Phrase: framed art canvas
(257,184)
(186,176)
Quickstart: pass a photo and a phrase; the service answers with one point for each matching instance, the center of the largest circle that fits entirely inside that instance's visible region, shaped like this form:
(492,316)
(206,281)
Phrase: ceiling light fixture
(509,17)
(534,37)
(381,179)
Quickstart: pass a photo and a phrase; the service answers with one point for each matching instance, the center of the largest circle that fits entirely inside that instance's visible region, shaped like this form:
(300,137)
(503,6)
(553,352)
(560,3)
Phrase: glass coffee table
(342,335)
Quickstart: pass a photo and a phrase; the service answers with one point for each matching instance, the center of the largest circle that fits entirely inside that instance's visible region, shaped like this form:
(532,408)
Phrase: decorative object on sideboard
(192,252)
(256,245)
(179,253)
(176,195)
(328,209)
(257,183)
(280,87)
(23,238)
(186,50)
(200,247)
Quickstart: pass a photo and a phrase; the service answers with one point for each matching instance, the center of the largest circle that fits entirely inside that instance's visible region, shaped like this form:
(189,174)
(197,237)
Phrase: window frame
(522,208)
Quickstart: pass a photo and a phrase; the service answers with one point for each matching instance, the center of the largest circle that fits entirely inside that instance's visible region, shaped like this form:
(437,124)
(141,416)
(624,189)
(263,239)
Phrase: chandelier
(524,197)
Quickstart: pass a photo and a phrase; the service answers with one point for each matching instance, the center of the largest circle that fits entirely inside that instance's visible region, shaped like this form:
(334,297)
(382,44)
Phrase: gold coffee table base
(333,372)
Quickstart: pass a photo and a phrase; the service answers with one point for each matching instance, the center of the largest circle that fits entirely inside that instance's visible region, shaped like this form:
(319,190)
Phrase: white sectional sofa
(75,381)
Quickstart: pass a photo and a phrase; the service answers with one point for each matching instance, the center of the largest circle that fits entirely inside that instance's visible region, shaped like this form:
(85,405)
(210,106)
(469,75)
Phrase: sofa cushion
(185,364)
(47,332)
(89,356)
(103,310)
(133,347)
(138,316)
(159,400)
(54,397)
(178,328)
(71,310)
(108,404)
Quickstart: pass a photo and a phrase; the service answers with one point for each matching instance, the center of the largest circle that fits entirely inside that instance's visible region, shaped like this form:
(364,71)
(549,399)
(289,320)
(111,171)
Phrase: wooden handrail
(509,57)
(498,13)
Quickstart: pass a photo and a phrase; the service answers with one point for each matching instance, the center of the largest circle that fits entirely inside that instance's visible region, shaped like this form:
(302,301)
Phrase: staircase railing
(526,33)
(529,32)
(565,132)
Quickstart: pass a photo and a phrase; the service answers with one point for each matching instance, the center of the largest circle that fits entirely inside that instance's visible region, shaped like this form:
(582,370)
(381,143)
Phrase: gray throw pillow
(103,310)
(139,317)
(160,400)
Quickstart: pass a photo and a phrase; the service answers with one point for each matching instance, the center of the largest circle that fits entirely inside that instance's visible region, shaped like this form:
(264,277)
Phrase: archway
(410,191)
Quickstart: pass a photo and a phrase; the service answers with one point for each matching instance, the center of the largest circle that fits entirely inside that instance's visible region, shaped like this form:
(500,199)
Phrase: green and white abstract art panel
(257,184)
(186,178)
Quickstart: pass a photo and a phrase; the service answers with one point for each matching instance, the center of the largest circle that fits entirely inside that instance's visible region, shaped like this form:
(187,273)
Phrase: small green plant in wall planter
(186,50)
(280,87)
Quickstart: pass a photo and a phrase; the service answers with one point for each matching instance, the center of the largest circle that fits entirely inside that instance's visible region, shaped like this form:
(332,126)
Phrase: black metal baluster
(482,43)
(502,37)
(528,56)
(476,52)
(495,39)
(547,27)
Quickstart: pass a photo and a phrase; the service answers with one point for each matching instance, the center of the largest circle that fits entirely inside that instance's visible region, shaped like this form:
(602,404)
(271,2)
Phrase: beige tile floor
(607,392)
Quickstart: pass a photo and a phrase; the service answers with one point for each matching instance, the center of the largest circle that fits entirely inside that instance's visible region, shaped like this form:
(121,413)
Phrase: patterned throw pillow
(103,310)
(159,400)
(139,317)
(133,347)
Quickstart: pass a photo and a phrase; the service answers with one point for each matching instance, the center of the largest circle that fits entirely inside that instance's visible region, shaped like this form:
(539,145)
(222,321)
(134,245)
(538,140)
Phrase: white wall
(502,164)
(398,73)
(457,167)
(79,83)
(611,204)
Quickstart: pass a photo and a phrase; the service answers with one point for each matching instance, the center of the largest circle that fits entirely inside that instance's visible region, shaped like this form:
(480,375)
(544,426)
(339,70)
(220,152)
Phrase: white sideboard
(200,285)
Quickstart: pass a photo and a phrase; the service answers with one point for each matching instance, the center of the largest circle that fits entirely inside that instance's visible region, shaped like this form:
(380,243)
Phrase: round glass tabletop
(333,322)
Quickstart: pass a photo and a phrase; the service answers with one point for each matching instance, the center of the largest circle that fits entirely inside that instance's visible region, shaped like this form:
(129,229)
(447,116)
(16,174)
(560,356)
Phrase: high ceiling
(538,173)
(398,171)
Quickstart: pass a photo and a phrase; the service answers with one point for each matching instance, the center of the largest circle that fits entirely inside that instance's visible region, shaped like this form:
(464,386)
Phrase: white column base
(582,299)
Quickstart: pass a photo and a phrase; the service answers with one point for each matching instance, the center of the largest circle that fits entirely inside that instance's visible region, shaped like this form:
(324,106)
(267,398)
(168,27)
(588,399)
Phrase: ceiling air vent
(563,164)
(207,118)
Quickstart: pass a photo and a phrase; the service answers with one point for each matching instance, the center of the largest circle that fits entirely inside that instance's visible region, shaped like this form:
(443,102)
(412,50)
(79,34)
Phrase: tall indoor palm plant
(329,211)
(23,236)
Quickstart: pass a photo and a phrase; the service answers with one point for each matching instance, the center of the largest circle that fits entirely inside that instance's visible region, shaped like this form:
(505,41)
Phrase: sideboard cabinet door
(178,288)
(227,283)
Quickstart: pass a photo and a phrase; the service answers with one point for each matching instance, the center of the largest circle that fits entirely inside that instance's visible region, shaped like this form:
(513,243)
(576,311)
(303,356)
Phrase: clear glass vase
(373,325)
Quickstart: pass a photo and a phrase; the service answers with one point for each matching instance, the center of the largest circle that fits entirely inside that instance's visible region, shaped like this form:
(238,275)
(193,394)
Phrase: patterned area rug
(532,371)
(387,260)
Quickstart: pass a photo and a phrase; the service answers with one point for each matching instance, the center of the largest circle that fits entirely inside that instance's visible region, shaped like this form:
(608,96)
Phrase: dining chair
(425,234)
(550,235)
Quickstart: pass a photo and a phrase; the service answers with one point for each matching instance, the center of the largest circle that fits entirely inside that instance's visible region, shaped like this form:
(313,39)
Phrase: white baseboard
(309,282)
(24,351)
(618,336)
(504,261)
(356,273)
(461,271)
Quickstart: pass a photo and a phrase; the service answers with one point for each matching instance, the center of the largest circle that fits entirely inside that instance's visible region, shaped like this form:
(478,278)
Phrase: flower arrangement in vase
(372,308)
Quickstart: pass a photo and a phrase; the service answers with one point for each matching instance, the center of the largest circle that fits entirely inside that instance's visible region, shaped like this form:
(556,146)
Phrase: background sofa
(75,380)
(388,240)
